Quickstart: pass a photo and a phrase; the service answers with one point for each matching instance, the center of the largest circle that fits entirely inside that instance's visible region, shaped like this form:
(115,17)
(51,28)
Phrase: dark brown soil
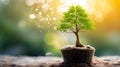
(77,55)
(25,61)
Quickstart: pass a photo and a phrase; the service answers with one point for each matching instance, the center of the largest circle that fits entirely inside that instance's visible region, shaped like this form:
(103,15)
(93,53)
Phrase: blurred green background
(28,27)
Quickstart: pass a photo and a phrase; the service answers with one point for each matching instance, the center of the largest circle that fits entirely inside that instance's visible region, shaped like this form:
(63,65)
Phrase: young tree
(75,20)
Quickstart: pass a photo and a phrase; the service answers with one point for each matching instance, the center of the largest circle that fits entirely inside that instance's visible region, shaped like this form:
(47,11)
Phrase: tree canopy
(75,17)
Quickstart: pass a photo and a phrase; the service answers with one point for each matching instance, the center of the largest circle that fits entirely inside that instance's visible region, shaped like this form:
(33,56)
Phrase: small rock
(13,65)
(107,60)
(49,54)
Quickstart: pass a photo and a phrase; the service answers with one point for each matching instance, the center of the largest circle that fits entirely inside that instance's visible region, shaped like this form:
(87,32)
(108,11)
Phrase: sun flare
(67,3)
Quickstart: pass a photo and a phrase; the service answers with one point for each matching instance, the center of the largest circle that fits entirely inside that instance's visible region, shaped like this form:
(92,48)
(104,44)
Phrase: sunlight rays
(67,3)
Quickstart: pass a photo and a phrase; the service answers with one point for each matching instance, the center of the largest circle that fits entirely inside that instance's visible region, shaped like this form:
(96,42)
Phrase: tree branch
(77,28)
(72,30)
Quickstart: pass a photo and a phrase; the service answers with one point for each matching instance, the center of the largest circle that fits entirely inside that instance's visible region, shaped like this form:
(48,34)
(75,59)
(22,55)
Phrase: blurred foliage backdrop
(28,27)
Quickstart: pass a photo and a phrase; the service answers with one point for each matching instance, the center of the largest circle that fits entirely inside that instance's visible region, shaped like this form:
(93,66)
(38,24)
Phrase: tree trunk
(78,44)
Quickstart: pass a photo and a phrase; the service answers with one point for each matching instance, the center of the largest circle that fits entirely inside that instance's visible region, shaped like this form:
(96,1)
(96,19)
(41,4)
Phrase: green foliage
(75,15)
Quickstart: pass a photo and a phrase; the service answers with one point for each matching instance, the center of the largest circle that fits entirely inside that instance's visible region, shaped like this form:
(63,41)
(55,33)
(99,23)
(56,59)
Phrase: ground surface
(25,61)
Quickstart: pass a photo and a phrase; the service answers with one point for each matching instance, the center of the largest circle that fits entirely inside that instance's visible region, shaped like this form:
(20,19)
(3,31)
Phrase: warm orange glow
(105,13)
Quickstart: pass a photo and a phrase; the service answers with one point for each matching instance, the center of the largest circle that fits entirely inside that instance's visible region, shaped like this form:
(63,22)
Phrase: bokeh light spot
(32,16)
